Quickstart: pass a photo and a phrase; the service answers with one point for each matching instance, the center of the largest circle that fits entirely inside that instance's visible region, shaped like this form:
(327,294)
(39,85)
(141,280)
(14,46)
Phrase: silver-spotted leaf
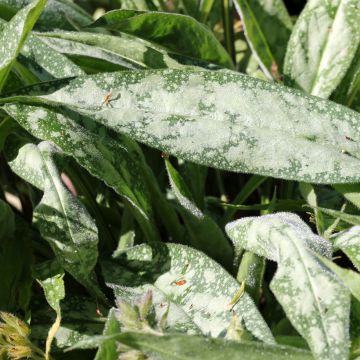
(58,14)
(14,34)
(267,27)
(61,218)
(221,119)
(314,298)
(349,242)
(196,288)
(115,161)
(323,45)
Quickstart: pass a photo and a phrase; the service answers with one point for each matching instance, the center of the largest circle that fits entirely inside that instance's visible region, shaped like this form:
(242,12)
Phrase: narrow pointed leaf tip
(220,119)
(314,299)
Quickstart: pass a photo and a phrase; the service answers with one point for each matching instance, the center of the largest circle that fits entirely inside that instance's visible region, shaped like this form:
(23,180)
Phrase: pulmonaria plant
(179,179)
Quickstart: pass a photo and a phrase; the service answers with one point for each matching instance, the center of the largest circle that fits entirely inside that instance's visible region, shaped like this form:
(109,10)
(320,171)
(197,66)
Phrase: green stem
(228,25)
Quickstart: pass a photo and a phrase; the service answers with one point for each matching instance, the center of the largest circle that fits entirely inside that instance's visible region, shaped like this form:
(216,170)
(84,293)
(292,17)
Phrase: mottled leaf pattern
(178,33)
(323,45)
(267,29)
(220,119)
(123,50)
(314,299)
(58,14)
(349,242)
(13,35)
(195,287)
(63,221)
(116,161)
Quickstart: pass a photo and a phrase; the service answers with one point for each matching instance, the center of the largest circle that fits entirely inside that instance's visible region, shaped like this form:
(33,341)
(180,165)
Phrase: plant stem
(228,25)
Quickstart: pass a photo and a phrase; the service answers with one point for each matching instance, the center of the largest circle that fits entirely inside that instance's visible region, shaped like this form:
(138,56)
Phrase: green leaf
(205,234)
(178,33)
(348,91)
(15,281)
(219,119)
(348,218)
(314,299)
(14,34)
(108,349)
(61,218)
(197,289)
(113,160)
(323,45)
(351,192)
(350,278)
(348,241)
(267,27)
(180,347)
(124,50)
(58,14)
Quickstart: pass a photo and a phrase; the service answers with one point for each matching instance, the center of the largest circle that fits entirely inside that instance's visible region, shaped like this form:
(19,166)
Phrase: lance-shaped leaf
(314,299)
(267,27)
(61,218)
(196,289)
(323,45)
(180,34)
(204,232)
(176,347)
(43,61)
(123,50)
(59,14)
(14,34)
(348,91)
(115,161)
(220,119)
(349,242)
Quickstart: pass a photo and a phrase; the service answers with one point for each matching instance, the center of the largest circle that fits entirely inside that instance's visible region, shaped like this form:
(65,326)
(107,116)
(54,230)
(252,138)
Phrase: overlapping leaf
(124,50)
(14,34)
(63,221)
(196,289)
(114,161)
(267,29)
(220,119)
(182,347)
(314,299)
(323,45)
(178,33)
(349,242)
(58,14)
(205,234)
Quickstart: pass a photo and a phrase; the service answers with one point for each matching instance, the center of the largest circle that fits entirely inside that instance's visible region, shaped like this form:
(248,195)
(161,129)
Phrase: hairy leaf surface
(314,299)
(323,45)
(115,161)
(196,288)
(14,34)
(63,221)
(220,119)
(349,242)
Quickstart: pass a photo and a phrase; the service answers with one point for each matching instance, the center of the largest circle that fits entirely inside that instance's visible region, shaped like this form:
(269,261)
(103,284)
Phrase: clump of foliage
(180,179)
